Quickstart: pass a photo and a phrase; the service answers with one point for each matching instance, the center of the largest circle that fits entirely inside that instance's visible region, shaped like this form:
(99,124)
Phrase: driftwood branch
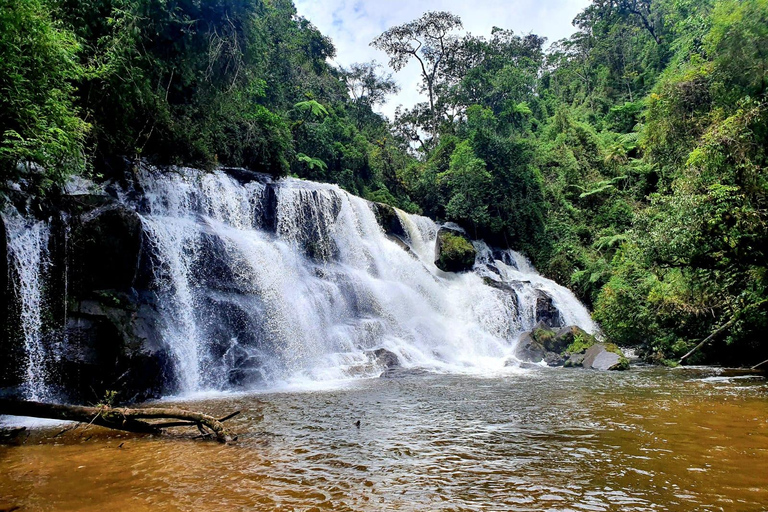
(758,365)
(129,420)
(708,339)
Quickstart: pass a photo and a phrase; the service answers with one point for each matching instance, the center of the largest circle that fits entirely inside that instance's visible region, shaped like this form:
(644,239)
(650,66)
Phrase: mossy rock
(454,252)
(389,220)
(575,339)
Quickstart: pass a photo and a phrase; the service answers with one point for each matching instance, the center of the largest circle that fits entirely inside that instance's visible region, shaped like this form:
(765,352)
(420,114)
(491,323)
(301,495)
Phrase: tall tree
(430,41)
(368,87)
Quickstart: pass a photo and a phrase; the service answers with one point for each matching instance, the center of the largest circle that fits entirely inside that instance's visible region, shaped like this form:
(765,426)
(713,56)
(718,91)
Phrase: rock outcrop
(454,252)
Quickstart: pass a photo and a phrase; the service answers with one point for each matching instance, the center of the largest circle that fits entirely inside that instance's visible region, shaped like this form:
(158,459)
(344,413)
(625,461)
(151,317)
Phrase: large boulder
(571,347)
(529,348)
(386,358)
(602,357)
(454,252)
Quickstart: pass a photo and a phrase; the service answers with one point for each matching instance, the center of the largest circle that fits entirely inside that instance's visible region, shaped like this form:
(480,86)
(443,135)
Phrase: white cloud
(353,24)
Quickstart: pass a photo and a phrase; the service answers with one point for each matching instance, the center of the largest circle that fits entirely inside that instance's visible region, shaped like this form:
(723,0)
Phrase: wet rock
(11,352)
(402,373)
(529,349)
(454,252)
(389,220)
(554,359)
(386,358)
(269,208)
(244,175)
(105,247)
(114,343)
(3,272)
(546,311)
(525,365)
(574,361)
(544,343)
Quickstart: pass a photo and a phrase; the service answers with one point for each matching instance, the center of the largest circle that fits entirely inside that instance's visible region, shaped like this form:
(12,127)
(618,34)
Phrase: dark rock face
(101,322)
(454,252)
(105,247)
(112,324)
(546,311)
(3,268)
(529,349)
(269,208)
(389,221)
(10,359)
(113,344)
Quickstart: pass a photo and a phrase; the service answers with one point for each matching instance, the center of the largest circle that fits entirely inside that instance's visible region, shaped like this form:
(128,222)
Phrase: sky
(353,24)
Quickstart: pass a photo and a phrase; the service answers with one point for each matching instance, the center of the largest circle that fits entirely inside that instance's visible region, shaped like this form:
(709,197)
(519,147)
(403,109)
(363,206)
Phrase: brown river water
(533,440)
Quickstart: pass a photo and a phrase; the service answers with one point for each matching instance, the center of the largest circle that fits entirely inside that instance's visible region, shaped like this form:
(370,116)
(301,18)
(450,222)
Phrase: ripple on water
(648,439)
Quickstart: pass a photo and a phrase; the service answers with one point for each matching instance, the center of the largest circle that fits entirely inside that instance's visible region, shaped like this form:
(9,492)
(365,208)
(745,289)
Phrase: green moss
(581,342)
(543,336)
(456,253)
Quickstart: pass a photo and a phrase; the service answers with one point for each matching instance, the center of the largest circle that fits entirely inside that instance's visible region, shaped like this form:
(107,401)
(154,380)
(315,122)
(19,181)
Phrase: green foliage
(580,343)
(313,107)
(39,122)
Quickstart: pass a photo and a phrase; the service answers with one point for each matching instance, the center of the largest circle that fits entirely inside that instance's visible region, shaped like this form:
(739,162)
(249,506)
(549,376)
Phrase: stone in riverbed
(529,349)
(385,358)
(598,357)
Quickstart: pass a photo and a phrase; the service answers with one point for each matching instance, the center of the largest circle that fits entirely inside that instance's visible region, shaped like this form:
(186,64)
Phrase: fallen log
(125,419)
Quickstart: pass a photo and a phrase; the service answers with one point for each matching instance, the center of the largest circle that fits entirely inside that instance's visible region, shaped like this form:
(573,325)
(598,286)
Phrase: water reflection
(558,440)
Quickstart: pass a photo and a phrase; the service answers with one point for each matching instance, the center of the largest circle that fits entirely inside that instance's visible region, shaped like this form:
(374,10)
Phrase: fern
(312,106)
(312,163)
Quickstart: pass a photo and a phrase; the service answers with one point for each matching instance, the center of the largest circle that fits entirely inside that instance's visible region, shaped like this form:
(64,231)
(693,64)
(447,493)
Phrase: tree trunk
(129,420)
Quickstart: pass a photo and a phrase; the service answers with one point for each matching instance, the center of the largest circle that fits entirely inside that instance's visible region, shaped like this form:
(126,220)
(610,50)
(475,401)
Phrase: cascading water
(28,262)
(512,267)
(244,281)
(309,290)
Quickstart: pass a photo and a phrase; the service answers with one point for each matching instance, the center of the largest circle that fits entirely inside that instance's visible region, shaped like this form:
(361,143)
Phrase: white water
(515,268)
(309,301)
(28,263)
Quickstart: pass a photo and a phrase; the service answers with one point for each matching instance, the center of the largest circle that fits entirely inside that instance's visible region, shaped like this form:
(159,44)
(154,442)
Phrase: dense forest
(627,161)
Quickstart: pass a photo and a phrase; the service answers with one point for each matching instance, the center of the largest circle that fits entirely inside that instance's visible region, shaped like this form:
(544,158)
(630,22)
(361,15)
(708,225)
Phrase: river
(524,440)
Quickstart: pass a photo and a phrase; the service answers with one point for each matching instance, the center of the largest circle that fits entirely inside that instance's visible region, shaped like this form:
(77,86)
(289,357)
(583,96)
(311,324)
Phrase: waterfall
(311,294)
(28,263)
(248,281)
(512,267)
